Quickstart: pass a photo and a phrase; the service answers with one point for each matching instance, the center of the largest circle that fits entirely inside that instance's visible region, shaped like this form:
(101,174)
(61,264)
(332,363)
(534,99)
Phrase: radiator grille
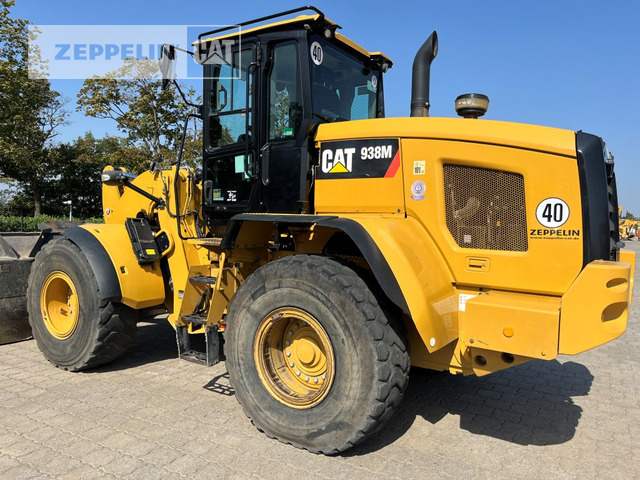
(485,208)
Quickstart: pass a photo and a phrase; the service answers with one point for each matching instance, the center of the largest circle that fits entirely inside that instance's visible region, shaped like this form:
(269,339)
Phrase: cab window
(231,101)
(343,86)
(285,92)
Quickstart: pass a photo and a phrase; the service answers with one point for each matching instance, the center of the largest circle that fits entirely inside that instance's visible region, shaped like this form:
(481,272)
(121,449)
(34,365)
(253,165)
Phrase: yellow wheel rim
(59,305)
(294,358)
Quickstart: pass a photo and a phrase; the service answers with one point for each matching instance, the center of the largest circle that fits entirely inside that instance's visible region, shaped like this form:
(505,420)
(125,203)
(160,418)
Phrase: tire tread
(116,325)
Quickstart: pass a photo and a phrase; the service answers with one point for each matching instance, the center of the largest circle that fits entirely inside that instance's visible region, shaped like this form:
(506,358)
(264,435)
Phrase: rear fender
(402,257)
(421,274)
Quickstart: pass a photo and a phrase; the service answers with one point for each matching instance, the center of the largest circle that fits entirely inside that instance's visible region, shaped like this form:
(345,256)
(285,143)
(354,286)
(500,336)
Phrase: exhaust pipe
(420,77)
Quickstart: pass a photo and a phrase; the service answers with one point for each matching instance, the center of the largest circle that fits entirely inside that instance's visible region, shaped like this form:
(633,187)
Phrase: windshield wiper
(324,117)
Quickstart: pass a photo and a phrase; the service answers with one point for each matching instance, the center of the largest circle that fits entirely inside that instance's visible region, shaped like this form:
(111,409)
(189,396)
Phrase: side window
(231,100)
(285,95)
(364,101)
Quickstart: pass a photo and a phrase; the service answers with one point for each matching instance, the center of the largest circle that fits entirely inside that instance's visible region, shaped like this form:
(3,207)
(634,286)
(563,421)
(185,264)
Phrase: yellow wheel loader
(328,248)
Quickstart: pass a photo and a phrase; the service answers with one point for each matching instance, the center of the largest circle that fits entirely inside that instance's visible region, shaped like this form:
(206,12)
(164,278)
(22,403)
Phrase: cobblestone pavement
(151,416)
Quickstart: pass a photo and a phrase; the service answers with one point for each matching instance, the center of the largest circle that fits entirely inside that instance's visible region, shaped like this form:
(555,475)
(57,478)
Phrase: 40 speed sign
(552,212)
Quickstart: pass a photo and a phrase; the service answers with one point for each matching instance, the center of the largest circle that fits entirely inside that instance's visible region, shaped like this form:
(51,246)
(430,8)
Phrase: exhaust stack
(421,76)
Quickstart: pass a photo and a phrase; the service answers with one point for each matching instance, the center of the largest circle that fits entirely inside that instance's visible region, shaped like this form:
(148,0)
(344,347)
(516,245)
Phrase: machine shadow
(155,341)
(530,404)
(220,384)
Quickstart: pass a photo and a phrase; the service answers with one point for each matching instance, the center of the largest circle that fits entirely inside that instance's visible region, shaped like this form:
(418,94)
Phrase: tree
(30,111)
(629,216)
(6,194)
(78,166)
(149,116)
(74,174)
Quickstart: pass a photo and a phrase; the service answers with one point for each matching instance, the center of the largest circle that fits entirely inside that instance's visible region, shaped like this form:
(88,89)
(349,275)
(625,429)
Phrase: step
(203,279)
(213,346)
(206,242)
(194,357)
(195,319)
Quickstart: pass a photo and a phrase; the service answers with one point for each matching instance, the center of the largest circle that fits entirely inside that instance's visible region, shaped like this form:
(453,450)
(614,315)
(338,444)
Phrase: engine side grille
(485,208)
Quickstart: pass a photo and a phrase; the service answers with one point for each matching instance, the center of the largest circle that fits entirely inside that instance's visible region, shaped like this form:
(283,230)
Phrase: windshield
(343,87)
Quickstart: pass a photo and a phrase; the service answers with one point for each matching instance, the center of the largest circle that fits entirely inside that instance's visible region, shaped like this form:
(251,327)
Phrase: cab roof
(292,23)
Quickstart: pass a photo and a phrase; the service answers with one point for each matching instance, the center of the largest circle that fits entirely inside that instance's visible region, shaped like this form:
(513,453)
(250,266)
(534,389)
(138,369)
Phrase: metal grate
(614,232)
(485,208)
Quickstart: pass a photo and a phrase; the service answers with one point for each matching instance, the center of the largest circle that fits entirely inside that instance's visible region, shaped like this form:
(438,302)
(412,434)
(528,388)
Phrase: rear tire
(73,327)
(314,359)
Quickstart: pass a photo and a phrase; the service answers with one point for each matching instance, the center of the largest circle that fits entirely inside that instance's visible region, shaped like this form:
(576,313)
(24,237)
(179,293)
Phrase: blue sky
(561,63)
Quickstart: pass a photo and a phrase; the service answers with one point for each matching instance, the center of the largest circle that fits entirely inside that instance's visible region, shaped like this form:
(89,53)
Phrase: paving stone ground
(151,416)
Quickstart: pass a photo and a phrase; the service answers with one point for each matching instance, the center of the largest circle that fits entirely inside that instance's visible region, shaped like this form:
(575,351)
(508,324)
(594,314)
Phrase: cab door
(285,161)
(230,140)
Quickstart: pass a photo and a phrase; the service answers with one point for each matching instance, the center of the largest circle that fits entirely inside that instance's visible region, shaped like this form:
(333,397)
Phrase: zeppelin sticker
(552,213)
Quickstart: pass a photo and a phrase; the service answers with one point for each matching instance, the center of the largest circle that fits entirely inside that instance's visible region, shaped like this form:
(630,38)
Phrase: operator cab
(263,101)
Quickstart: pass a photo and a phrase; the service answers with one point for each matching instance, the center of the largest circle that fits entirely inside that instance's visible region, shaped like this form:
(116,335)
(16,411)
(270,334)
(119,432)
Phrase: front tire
(74,329)
(314,359)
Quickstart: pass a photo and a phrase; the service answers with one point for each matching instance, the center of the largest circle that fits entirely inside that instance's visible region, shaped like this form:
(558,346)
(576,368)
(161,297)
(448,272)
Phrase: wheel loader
(322,249)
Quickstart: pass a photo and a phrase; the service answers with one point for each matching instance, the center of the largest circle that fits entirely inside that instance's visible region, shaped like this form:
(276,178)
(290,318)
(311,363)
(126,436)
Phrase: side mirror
(167,63)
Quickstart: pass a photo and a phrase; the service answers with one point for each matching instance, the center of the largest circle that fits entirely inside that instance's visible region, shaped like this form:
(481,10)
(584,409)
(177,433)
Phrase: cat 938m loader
(328,248)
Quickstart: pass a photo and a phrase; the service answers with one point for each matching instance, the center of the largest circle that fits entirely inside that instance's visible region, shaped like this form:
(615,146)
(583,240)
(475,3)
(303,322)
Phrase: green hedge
(30,224)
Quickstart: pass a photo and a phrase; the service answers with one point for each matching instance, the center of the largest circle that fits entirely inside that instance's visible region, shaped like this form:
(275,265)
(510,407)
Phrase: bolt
(288,343)
(298,372)
(292,364)
(290,332)
(296,326)
(288,353)
(324,376)
(306,378)
(315,379)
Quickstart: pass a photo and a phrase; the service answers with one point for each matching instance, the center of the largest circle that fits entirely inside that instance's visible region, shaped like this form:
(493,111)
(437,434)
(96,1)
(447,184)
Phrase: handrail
(262,19)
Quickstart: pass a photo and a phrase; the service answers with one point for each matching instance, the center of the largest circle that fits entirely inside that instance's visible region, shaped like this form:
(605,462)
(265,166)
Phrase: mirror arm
(118,177)
(177,164)
(157,200)
(184,99)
